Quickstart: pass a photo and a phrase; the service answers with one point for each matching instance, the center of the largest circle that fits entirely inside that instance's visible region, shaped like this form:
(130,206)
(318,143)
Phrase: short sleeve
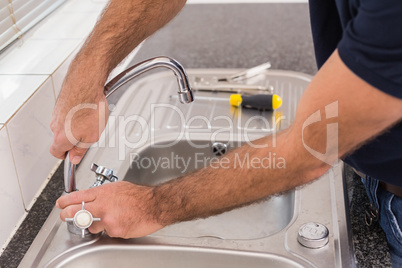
(371,44)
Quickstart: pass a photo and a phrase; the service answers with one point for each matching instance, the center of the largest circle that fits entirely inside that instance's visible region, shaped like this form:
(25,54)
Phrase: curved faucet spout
(185,92)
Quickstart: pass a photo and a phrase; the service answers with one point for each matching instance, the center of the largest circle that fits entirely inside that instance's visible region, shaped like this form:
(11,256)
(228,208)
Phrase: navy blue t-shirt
(368,36)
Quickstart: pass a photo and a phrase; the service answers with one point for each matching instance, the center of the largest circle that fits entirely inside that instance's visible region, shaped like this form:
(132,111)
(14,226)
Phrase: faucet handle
(82,220)
(102,174)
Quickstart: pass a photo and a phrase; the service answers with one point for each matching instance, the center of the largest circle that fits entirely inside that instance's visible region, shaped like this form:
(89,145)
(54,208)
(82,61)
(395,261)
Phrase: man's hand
(126,210)
(81,109)
(78,121)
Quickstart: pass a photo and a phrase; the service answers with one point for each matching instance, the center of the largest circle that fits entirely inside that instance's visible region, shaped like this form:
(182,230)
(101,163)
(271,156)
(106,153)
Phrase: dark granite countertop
(228,36)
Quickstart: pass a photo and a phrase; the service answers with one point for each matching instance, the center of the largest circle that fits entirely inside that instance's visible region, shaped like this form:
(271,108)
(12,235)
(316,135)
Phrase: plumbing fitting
(102,174)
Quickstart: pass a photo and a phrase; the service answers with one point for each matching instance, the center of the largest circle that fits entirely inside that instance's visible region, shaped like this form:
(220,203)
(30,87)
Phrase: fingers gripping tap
(83,219)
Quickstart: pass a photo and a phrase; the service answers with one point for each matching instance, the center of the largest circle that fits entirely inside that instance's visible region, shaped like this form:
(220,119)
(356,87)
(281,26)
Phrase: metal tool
(234,83)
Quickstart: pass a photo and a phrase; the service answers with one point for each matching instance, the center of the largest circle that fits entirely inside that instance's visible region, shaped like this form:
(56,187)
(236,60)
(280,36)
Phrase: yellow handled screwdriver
(260,102)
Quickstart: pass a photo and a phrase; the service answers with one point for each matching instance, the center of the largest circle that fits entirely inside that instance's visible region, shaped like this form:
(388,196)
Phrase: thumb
(76,154)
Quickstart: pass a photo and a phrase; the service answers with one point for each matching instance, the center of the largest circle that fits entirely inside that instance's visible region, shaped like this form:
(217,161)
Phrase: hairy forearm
(122,26)
(243,176)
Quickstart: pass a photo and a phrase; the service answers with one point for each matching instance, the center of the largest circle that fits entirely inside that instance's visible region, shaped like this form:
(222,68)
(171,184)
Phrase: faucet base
(74,230)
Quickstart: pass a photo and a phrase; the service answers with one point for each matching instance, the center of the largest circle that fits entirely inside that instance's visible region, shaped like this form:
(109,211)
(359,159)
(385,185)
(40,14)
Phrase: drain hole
(219,148)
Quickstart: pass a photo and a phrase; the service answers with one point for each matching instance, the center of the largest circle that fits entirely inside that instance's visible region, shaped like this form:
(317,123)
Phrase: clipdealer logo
(128,132)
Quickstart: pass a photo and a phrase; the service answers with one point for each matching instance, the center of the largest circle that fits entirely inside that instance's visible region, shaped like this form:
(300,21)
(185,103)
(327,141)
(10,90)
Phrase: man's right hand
(78,120)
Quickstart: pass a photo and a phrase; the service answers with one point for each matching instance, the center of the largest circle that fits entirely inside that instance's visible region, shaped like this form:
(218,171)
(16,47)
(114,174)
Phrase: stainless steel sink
(251,222)
(260,235)
(167,256)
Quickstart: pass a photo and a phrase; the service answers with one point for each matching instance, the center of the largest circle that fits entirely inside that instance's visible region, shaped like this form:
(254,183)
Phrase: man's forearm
(243,176)
(122,26)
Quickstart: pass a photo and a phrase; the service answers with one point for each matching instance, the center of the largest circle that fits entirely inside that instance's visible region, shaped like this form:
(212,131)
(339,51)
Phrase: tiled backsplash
(15,90)
(31,74)
(24,59)
(11,205)
(30,138)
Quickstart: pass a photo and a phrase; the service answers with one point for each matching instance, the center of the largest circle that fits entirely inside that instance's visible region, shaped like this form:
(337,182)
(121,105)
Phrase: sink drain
(219,148)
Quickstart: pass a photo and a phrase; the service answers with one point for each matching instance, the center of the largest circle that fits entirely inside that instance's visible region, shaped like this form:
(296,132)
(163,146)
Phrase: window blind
(18,16)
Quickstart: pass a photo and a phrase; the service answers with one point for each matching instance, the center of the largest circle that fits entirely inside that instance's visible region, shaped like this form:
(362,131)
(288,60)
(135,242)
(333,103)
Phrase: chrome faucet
(185,92)
(185,96)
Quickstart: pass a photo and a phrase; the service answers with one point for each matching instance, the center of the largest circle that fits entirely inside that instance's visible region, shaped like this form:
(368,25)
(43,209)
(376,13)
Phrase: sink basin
(164,256)
(153,165)
(152,138)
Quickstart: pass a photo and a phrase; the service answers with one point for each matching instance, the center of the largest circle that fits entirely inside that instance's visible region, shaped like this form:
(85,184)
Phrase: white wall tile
(60,73)
(84,6)
(24,67)
(69,26)
(11,205)
(37,56)
(30,138)
(15,90)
